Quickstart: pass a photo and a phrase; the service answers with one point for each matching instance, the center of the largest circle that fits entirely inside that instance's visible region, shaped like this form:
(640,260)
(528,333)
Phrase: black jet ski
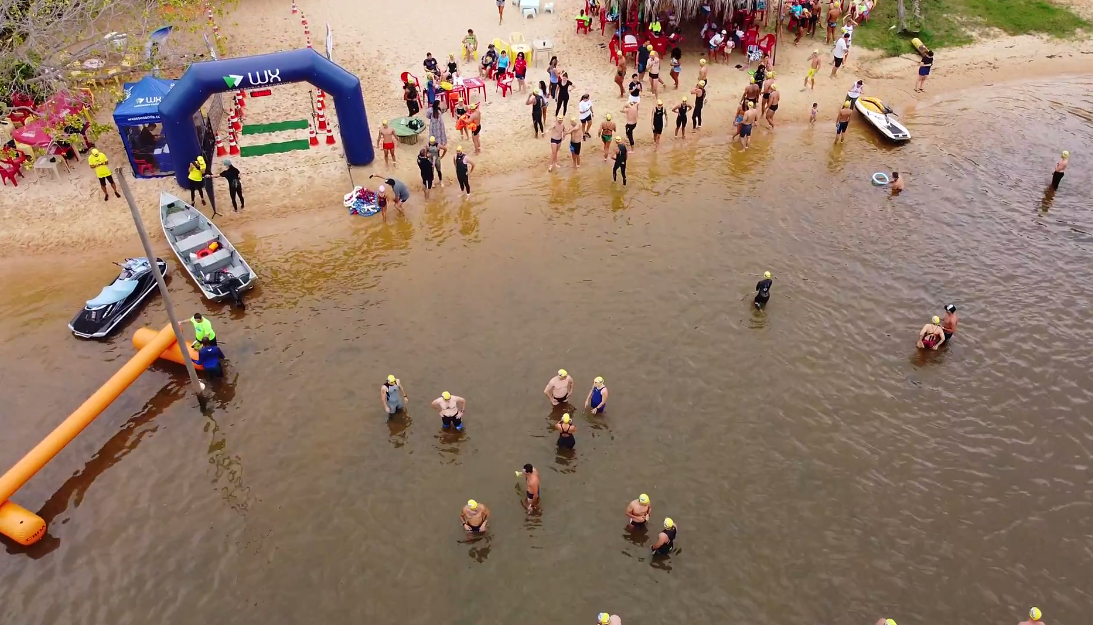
(117,300)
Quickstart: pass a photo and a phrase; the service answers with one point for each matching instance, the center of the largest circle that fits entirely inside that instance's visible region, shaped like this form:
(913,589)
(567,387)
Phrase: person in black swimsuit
(425,164)
(760,75)
(658,123)
(700,97)
(762,290)
(566,430)
(681,110)
(620,161)
(563,94)
(666,539)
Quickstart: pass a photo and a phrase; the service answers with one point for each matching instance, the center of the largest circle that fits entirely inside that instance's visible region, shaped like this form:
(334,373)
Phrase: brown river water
(818,468)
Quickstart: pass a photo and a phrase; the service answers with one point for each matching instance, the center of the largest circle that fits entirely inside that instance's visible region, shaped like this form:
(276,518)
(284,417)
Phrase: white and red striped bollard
(295,10)
(322,119)
(330,134)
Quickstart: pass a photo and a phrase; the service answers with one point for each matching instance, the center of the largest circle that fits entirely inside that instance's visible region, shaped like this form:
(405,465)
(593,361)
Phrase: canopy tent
(148,152)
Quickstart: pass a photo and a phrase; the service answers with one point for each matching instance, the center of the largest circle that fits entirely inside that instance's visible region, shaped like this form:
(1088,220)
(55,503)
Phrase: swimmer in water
(1034,616)
(603,618)
(451,408)
(597,397)
(639,512)
(762,290)
(1060,167)
(932,335)
(393,396)
(566,430)
(948,324)
(896,183)
(474,517)
(666,539)
(885,621)
(531,478)
(559,388)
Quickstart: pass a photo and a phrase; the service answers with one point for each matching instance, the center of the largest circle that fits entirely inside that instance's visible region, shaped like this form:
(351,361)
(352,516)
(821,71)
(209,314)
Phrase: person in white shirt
(854,93)
(716,40)
(585,108)
(842,49)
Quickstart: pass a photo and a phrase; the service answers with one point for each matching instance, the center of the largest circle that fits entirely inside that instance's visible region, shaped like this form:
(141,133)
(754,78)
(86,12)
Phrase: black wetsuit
(696,115)
(681,117)
(235,187)
(620,164)
(762,294)
(658,120)
(537,115)
(565,439)
(563,97)
(666,548)
(426,167)
(461,173)
(760,76)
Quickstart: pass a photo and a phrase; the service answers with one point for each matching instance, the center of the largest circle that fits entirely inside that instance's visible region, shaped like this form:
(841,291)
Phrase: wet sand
(818,468)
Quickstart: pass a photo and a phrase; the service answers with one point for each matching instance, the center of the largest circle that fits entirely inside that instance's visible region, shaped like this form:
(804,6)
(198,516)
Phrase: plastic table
(474,84)
(403,132)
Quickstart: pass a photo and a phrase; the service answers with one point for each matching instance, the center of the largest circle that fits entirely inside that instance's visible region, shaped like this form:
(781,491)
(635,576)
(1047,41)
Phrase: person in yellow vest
(203,328)
(98,162)
(197,179)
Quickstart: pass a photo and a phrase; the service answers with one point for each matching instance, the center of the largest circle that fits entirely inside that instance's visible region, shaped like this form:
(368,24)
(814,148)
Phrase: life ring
(203,253)
(880,179)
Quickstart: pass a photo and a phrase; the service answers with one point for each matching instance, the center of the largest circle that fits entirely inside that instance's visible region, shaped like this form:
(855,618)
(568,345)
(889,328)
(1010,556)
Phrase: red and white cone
(234,123)
(330,134)
(312,138)
(322,119)
(242,98)
(220,151)
(303,20)
(295,10)
(233,147)
(309,43)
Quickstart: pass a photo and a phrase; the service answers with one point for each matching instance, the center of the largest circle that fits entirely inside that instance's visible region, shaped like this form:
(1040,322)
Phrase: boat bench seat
(195,242)
(214,262)
(240,271)
(179,224)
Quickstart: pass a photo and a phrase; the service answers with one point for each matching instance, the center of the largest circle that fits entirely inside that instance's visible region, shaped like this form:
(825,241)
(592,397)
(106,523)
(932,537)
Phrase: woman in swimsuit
(676,67)
(658,123)
(620,76)
(566,430)
(666,539)
(700,96)
(681,116)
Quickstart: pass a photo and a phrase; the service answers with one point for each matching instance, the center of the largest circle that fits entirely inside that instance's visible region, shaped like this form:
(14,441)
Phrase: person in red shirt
(520,68)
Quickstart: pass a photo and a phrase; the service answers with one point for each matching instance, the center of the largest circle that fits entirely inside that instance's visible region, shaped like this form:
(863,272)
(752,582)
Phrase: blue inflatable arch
(202,80)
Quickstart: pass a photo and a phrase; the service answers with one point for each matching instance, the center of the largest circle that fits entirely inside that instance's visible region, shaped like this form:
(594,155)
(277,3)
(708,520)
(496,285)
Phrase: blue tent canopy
(149,157)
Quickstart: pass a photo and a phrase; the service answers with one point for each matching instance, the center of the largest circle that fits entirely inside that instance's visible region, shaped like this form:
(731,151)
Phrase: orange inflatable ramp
(145,336)
(22,525)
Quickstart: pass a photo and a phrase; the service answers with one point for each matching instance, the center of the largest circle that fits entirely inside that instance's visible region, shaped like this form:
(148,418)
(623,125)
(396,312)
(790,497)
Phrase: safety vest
(197,174)
(655,27)
(203,328)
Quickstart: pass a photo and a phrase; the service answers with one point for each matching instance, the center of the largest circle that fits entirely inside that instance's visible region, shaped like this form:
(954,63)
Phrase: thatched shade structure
(687,9)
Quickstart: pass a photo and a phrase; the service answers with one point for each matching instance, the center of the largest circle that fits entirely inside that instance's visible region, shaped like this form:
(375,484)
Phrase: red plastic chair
(505,84)
(613,49)
(8,172)
(584,25)
(629,48)
(453,99)
(408,77)
(144,168)
(767,44)
(603,22)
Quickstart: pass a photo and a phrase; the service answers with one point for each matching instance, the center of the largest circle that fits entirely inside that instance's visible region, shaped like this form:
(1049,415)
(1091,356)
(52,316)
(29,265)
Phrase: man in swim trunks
(1060,168)
(631,112)
(772,105)
(702,71)
(750,117)
(895,183)
(597,397)
(666,539)
(557,131)
(765,102)
(751,93)
(833,14)
(559,388)
(948,324)
(639,512)
(607,131)
(531,479)
(451,408)
(932,335)
(841,122)
(386,136)
(393,396)
(576,136)
(566,430)
(474,517)
(762,290)
(813,67)
(476,118)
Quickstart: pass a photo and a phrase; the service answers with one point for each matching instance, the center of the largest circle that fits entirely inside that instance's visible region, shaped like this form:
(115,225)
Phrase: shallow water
(819,469)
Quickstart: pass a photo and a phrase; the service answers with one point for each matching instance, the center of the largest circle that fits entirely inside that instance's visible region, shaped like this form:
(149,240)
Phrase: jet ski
(117,300)
(880,115)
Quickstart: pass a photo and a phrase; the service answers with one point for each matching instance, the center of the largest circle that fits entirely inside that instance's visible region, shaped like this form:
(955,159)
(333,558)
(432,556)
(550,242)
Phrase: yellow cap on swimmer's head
(669,523)
(573,119)
(432,139)
(660,102)
(603,618)
(446,395)
(702,83)
(618,139)
(889,621)
(609,117)
(684,98)
(384,122)
(643,499)
(562,373)
(390,378)
(565,418)
(766,274)
(561,118)
(771,74)
(702,61)
(936,320)
(752,81)
(846,104)
(472,504)
(599,380)
(773,87)
(1066,153)
(817,51)
(1034,613)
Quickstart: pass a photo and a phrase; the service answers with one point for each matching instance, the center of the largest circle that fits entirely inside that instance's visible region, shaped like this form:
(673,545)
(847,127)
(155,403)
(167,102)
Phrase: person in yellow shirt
(196,177)
(101,165)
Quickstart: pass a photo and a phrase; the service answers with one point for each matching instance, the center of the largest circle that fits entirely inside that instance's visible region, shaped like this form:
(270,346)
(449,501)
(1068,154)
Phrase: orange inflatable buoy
(203,253)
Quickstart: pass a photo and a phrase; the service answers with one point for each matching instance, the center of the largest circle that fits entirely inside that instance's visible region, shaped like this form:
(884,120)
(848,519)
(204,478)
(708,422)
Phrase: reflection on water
(825,469)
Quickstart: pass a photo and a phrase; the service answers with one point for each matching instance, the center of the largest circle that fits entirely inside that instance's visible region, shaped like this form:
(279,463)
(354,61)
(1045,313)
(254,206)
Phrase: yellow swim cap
(660,102)
(561,118)
(446,395)
(390,378)
(458,148)
(889,621)
(472,504)
(773,87)
(846,105)
(603,618)
(702,83)
(1034,612)
(643,499)
(684,98)
(573,119)
(752,81)
(618,139)
(609,117)
(432,139)
(565,418)
(669,523)
(766,274)
(649,47)
(599,380)
(1066,153)
(702,62)
(562,373)
(936,320)
(384,122)
(817,51)
(771,73)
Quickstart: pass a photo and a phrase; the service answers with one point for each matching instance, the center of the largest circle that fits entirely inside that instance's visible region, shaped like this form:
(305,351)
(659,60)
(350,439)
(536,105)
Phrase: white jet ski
(880,115)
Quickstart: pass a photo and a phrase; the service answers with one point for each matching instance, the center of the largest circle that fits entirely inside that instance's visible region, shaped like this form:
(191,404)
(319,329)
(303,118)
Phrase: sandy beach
(379,41)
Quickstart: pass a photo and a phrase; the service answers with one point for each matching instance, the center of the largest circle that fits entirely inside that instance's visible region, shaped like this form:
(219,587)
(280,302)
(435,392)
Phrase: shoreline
(53,217)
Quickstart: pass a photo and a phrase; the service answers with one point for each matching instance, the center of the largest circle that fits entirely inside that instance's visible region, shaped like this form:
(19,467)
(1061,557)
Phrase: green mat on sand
(257,129)
(273,148)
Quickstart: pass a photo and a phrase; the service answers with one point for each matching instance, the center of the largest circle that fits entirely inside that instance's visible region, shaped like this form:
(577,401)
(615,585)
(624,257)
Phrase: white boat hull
(190,234)
(883,122)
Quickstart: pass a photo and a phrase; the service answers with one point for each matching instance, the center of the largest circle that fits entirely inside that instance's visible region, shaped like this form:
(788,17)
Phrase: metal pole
(139,223)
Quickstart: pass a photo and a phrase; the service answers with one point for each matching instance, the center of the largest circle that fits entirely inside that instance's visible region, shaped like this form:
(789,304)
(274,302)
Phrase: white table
(541,51)
(47,162)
